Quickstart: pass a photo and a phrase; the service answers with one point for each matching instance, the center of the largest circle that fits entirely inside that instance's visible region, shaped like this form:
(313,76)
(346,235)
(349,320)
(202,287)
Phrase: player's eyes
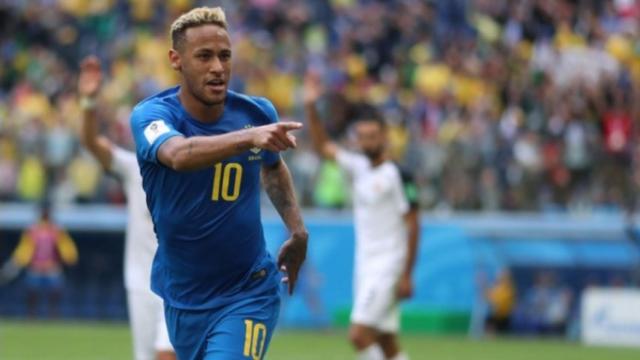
(204,56)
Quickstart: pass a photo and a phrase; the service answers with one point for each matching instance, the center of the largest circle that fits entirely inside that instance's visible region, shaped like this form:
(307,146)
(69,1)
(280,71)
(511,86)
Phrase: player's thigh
(362,336)
(54,282)
(188,330)
(390,322)
(374,302)
(244,331)
(389,344)
(143,308)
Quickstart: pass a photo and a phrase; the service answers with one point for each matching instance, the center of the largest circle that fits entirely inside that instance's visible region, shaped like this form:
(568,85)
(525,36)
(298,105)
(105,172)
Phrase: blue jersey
(210,239)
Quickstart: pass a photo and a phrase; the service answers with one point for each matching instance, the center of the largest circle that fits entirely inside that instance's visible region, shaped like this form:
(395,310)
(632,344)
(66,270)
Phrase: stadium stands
(497,104)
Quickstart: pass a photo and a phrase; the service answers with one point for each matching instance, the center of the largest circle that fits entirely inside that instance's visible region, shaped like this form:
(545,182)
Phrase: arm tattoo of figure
(279,186)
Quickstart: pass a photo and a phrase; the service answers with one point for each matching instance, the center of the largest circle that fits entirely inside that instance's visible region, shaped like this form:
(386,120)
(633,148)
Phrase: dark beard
(373,154)
(202,99)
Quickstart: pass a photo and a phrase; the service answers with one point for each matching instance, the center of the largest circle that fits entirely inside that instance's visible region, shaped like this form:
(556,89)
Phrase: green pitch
(103,341)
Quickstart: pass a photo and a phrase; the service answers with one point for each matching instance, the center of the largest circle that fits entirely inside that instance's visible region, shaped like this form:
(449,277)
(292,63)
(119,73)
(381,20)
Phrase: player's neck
(378,160)
(198,110)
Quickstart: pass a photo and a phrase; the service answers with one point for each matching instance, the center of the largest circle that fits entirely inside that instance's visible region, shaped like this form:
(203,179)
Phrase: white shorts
(148,327)
(376,304)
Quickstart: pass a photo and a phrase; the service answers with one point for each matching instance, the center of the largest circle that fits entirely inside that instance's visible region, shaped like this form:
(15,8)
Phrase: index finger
(293,271)
(292,278)
(290,125)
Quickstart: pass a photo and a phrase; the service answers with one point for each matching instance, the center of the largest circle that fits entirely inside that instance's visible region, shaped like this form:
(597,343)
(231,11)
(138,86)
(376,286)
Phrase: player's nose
(215,66)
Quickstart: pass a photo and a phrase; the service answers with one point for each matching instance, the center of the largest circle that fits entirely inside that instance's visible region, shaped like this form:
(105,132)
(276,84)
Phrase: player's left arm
(277,182)
(412,221)
(67,248)
(411,218)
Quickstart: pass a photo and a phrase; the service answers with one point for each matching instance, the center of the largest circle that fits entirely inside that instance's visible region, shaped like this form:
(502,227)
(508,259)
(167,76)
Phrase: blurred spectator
(501,297)
(548,305)
(43,249)
(497,105)
(8,169)
(31,179)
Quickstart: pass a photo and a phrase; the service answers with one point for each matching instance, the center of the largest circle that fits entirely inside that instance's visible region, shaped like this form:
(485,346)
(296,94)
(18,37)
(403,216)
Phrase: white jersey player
(146,310)
(386,227)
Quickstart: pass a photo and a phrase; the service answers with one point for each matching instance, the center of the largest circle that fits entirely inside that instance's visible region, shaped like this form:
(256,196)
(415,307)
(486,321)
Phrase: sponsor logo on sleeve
(154,130)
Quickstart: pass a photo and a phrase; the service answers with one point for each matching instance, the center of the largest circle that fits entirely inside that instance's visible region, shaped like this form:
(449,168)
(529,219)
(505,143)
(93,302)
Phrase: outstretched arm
(197,152)
(89,82)
(279,186)
(322,145)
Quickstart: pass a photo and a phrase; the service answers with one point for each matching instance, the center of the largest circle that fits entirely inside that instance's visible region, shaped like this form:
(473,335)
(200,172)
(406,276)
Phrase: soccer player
(202,151)
(146,312)
(386,227)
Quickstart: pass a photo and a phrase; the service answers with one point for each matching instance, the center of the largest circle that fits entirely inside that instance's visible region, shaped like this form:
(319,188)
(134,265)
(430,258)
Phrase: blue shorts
(47,282)
(238,331)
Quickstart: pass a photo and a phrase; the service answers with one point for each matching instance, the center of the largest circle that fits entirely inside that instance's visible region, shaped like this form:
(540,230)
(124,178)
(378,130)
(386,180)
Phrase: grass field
(100,341)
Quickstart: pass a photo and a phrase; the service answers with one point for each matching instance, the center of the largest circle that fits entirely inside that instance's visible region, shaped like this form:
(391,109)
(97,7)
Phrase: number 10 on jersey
(254,339)
(223,188)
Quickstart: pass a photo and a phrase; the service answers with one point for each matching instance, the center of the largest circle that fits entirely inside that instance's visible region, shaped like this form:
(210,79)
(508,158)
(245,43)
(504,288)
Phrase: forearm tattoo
(278,185)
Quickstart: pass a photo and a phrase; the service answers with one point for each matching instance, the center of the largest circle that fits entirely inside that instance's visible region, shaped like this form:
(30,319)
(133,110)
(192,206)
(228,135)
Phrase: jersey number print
(222,182)
(254,339)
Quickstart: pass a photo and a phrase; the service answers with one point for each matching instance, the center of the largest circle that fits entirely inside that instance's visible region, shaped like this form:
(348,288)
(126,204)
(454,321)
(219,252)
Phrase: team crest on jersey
(254,150)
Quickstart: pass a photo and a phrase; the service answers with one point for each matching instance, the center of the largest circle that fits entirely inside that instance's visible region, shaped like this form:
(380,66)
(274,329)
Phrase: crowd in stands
(493,104)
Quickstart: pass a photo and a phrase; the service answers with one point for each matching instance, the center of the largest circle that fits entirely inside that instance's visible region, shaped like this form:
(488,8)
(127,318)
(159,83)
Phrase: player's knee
(165,355)
(357,340)
(389,345)
(386,340)
(360,337)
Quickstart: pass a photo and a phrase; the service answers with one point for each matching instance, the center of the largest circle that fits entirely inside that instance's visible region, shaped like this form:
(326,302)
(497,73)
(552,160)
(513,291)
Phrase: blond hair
(196,17)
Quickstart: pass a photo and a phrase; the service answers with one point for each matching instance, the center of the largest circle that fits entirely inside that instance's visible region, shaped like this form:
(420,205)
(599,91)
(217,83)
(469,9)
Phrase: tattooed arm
(197,152)
(279,186)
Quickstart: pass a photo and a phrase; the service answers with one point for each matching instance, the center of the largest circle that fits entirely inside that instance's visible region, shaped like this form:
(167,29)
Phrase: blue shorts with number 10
(236,331)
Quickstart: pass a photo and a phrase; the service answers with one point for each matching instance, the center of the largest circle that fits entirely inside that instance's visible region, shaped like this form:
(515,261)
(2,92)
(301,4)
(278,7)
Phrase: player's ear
(174,58)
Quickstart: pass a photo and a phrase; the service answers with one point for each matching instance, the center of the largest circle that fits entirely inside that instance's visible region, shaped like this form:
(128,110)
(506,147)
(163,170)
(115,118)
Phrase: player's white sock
(400,356)
(372,352)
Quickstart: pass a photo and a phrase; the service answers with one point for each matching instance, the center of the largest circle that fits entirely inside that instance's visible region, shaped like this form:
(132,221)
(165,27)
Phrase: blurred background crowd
(494,104)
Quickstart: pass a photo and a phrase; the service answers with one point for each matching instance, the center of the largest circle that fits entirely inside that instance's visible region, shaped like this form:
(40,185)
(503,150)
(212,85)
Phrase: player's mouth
(216,85)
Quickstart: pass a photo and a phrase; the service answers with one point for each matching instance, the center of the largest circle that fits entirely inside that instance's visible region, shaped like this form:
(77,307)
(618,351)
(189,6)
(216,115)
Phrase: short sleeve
(123,162)
(410,188)
(351,162)
(269,157)
(151,127)
(402,203)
